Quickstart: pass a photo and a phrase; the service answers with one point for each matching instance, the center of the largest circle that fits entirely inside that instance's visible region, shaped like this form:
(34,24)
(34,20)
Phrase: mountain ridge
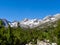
(31,23)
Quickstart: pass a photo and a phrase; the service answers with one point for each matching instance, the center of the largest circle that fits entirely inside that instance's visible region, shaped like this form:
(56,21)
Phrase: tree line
(19,36)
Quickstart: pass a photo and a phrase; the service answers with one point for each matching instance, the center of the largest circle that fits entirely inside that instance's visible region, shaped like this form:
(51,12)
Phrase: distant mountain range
(31,23)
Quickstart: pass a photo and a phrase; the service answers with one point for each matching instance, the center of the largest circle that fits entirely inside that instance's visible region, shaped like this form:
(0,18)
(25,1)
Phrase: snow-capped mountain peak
(32,23)
(47,17)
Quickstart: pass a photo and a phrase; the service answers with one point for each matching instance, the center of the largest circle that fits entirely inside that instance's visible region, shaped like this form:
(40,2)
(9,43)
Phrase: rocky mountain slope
(32,23)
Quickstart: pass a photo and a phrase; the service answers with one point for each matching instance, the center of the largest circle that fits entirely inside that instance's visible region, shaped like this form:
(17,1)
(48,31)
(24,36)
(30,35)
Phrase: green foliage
(19,36)
(1,23)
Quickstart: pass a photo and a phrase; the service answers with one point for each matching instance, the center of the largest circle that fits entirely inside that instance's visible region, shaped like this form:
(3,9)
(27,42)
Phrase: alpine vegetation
(44,31)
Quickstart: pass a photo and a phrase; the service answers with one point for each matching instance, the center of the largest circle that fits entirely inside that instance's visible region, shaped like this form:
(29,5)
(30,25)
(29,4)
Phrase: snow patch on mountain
(32,23)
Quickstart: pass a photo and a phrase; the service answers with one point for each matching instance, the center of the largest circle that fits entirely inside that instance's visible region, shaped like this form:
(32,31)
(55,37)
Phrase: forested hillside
(19,36)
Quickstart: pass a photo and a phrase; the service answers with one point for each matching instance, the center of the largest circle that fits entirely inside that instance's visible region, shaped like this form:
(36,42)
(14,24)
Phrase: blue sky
(20,9)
